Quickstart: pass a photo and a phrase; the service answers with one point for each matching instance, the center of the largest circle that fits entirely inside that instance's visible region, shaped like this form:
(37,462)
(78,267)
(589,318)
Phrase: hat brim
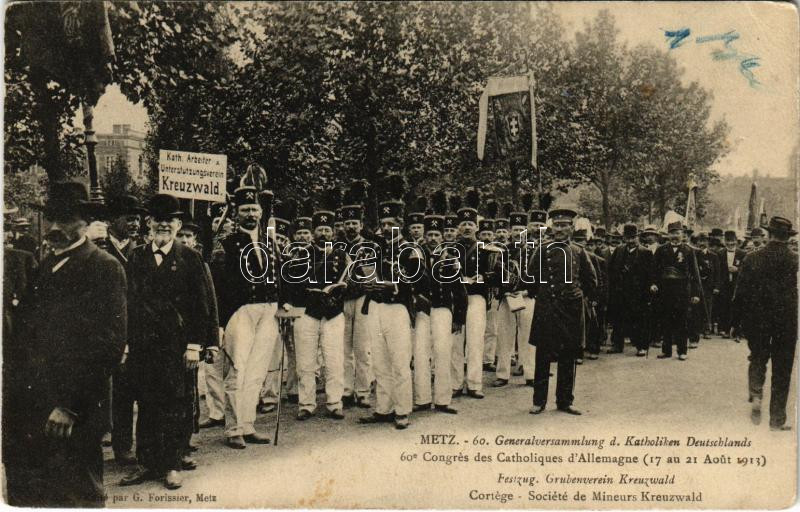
(789,232)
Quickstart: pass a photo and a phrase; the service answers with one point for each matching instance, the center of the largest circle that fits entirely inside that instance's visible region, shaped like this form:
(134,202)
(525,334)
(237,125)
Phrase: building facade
(123,144)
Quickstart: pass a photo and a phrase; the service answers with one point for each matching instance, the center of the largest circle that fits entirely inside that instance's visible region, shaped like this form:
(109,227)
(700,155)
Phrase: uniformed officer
(389,304)
(567,276)
(765,307)
(358,374)
(249,297)
(321,327)
(677,287)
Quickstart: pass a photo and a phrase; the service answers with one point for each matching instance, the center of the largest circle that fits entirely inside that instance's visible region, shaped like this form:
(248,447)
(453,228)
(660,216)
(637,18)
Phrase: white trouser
(475,330)
(215,389)
(250,339)
(422,359)
(358,375)
(391,357)
(442,338)
(326,334)
(490,336)
(527,352)
(507,330)
(272,386)
(457,360)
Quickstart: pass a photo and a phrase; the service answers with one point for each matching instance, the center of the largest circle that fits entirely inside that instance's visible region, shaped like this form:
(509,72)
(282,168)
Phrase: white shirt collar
(58,252)
(165,248)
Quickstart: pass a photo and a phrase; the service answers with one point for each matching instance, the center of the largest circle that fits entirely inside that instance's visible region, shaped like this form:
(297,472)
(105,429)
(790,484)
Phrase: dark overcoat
(630,275)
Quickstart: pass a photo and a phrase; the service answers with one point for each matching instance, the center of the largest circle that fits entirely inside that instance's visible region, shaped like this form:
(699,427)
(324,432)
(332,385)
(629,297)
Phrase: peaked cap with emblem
(417,215)
(325,213)
(303,219)
(451,218)
(469,212)
(504,221)
(487,223)
(285,211)
(354,200)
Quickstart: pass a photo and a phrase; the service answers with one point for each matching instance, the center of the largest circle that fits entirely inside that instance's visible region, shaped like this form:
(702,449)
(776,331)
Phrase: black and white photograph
(400,255)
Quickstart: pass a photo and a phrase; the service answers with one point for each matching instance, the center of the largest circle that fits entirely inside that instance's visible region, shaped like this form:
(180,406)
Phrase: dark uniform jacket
(559,315)
(477,263)
(327,269)
(630,275)
(709,267)
(235,288)
(359,249)
(765,299)
(443,291)
(74,325)
(395,262)
(170,307)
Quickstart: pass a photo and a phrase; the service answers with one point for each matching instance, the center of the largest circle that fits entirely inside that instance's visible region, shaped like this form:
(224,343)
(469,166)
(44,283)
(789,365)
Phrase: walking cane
(286,332)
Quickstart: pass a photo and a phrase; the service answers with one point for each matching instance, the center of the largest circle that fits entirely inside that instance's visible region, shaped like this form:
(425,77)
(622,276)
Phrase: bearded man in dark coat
(70,333)
(171,314)
(567,277)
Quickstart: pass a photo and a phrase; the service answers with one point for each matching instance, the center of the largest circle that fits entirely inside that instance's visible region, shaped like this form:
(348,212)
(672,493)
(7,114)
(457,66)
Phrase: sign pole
(90,140)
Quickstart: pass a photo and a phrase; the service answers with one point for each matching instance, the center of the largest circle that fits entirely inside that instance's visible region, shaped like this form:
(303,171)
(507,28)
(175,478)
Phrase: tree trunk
(604,186)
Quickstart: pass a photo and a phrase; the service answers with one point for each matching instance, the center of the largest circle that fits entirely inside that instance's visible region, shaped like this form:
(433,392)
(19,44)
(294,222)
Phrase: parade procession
(242,288)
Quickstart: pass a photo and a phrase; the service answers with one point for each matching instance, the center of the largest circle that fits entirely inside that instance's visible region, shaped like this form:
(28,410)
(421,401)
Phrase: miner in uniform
(567,276)
(70,334)
(630,274)
(765,308)
(486,228)
(321,328)
(249,296)
(389,304)
(674,267)
(447,298)
(450,233)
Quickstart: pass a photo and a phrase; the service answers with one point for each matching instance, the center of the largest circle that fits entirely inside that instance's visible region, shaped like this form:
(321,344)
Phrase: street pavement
(326,463)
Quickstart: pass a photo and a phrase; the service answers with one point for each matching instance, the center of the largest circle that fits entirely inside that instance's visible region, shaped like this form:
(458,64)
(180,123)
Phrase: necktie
(159,255)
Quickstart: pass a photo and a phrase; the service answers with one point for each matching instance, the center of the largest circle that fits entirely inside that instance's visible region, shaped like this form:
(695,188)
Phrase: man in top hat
(171,308)
(765,307)
(676,283)
(701,315)
(70,334)
(445,306)
(558,332)
(630,274)
(757,238)
(123,232)
(321,328)
(358,374)
(389,306)
(730,259)
(249,296)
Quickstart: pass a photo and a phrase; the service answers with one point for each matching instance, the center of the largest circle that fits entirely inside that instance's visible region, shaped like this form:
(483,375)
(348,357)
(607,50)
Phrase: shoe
(693,345)
(489,367)
(755,411)
(656,344)
(362,403)
(336,414)
(422,407)
(537,409)
(569,410)
(235,442)
(613,351)
(401,422)
(188,463)
(192,448)
(107,439)
(457,393)
(138,475)
(377,418)
(529,382)
(303,415)
(641,353)
(256,438)
(125,458)
(211,422)
(349,401)
(664,356)
(173,480)
(266,408)
(780,428)
(445,409)
(682,357)
(293,399)
(725,335)
(499,383)
(592,357)
(579,361)
(519,371)
(706,337)
(475,394)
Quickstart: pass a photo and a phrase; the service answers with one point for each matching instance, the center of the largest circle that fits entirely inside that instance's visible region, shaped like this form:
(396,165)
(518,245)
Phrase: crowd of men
(125,306)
